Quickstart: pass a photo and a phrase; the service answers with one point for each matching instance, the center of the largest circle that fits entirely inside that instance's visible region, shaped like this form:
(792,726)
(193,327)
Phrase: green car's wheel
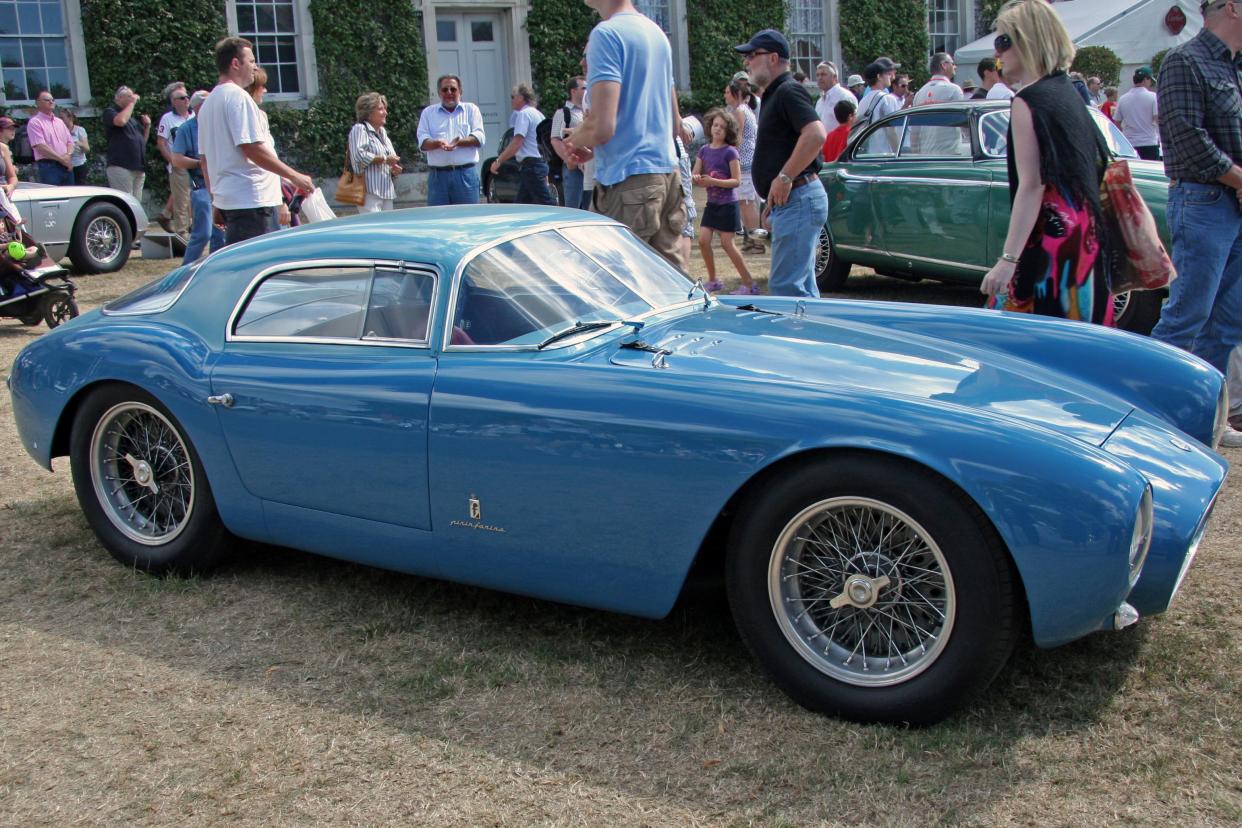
(871,589)
(830,271)
(1137,311)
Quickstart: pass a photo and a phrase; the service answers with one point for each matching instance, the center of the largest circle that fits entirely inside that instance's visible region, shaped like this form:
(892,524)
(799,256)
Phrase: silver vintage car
(94,226)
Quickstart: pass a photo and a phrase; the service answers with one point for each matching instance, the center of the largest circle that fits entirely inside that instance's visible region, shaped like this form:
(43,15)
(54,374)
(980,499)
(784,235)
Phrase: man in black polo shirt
(127,135)
(786,167)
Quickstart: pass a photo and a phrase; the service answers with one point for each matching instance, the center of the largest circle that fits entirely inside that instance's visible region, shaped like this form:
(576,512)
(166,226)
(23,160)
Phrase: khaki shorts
(651,205)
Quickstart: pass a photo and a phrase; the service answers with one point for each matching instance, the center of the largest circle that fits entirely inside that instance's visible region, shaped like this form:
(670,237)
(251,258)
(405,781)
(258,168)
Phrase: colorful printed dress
(1057,273)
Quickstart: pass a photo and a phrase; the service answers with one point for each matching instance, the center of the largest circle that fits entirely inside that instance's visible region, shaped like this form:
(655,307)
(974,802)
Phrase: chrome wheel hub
(103,239)
(861,591)
(141,473)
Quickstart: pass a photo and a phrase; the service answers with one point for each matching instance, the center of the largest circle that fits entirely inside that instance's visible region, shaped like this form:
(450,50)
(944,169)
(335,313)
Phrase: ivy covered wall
(895,28)
(715,27)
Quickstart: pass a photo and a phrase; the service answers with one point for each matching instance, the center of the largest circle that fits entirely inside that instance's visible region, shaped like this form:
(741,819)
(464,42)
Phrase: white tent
(1134,29)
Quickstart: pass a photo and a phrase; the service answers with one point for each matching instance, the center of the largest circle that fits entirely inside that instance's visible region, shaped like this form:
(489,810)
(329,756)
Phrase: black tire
(830,270)
(101,239)
(117,430)
(942,549)
(1138,311)
(57,308)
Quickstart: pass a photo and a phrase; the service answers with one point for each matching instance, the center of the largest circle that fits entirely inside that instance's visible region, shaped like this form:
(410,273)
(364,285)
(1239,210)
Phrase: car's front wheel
(871,589)
(141,484)
(101,239)
(1137,311)
(830,271)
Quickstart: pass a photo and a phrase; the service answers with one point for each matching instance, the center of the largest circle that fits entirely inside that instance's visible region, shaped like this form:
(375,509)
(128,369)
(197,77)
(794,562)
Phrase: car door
(323,388)
(933,199)
(856,234)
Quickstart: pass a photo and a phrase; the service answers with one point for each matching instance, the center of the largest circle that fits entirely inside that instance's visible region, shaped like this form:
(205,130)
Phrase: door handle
(225,400)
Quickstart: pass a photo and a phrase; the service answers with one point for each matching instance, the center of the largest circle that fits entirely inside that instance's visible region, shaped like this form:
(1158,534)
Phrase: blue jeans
(201,228)
(53,172)
(1204,312)
(795,233)
(533,183)
(445,186)
(571,184)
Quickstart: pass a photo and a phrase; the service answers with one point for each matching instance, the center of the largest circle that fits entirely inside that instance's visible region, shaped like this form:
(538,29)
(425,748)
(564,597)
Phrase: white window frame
(677,39)
(809,7)
(308,77)
(965,12)
(75,56)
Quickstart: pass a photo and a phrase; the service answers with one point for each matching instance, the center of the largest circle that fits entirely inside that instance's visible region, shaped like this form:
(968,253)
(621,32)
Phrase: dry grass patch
(289,687)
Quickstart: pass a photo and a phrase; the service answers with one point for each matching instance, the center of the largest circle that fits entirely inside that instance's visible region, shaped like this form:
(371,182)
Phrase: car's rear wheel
(58,308)
(830,271)
(1137,311)
(141,484)
(101,239)
(871,589)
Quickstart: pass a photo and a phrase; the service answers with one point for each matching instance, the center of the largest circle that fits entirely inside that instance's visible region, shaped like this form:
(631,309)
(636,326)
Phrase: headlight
(1140,541)
(1222,415)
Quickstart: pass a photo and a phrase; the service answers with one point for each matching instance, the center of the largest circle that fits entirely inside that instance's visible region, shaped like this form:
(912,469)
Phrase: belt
(1173,182)
(454,167)
(531,160)
(805,178)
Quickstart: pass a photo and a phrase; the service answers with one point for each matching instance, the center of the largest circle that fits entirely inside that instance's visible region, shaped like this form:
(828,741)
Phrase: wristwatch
(784,179)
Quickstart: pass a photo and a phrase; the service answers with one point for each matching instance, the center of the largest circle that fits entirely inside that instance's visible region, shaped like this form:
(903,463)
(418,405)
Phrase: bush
(988,9)
(558,31)
(714,27)
(1099,61)
(1157,60)
(896,28)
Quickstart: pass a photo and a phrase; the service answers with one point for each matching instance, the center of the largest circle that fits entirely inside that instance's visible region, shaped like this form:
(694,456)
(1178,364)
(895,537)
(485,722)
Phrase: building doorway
(471,46)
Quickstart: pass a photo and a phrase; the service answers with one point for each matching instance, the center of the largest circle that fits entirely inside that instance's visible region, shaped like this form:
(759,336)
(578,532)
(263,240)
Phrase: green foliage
(558,31)
(988,9)
(1157,60)
(379,51)
(1100,61)
(714,27)
(896,28)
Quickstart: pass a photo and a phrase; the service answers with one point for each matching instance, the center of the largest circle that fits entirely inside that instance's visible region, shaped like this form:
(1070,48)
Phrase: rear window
(156,296)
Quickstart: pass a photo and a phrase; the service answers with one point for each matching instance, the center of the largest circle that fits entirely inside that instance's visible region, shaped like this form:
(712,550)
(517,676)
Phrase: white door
(471,46)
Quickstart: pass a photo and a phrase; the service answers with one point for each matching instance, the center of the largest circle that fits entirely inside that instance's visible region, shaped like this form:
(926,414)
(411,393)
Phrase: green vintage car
(924,193)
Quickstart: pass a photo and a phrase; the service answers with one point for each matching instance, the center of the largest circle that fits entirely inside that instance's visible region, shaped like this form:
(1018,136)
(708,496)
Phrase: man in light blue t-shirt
(524,146)
(629,127)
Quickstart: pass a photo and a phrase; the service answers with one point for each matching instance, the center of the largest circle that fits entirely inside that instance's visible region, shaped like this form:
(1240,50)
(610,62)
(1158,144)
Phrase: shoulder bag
(1136,258)
(351,188)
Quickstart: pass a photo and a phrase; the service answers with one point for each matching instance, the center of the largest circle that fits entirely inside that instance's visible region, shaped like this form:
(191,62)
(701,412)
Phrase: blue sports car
(530,399)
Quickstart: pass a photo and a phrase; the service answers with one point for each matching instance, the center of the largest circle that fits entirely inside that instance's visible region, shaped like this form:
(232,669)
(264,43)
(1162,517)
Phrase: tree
(1100,61)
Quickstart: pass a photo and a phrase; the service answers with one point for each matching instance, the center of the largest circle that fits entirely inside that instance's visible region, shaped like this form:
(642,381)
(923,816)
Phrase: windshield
(156,296)
(523,291)
(994,138)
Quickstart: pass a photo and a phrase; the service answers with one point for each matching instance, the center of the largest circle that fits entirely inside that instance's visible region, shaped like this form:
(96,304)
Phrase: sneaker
(751,290)
(1235,420)
(759,233)
(1232,438)
(713,286)
(754,247)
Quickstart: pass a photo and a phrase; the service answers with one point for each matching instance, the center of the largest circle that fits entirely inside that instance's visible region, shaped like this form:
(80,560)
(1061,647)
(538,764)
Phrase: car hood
(857,356)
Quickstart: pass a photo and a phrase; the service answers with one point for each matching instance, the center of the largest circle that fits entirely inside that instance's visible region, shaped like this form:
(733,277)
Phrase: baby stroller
(32,287)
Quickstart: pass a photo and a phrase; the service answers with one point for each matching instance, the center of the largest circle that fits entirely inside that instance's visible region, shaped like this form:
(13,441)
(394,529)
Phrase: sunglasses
(1003,43)
(46,100)
(181,97)
(450,90)
(756,54)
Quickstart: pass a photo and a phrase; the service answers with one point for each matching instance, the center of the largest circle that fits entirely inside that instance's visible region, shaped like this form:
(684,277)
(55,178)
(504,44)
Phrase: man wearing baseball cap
(786,167)
(1138,114)
(1202,134)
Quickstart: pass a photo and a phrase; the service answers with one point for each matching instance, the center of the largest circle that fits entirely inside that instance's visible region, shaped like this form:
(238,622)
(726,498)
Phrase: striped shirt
(1200,96)
(366,143)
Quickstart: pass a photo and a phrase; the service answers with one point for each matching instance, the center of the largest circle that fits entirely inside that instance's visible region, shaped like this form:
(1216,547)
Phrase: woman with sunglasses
(1048,263)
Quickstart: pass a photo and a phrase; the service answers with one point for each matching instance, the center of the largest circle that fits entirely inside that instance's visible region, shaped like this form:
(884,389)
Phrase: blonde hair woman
(1056,162)
(372,154)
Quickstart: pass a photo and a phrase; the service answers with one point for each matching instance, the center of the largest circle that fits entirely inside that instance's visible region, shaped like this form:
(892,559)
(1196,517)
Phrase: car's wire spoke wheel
(1121,301)
(862,591)
(104,239)
(142,474)
(823,254)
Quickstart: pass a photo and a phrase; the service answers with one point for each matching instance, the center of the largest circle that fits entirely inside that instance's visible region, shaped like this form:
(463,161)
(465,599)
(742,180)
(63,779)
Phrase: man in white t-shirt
(175,217)
(830,94)
(941,88)
(1138,115)
(573,188)
(242,172)
(877,102)
(524,120)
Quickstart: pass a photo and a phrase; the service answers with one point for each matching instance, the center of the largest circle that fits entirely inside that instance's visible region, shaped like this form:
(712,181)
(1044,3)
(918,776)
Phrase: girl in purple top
(719,169)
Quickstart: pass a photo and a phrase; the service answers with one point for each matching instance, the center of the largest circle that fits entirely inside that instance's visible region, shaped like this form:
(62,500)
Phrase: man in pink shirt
(50,140)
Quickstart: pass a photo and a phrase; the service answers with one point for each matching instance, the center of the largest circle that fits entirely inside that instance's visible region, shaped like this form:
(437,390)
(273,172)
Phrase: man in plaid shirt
(1200,101)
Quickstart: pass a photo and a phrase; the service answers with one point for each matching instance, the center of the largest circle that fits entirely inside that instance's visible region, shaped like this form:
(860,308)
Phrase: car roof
(437,235)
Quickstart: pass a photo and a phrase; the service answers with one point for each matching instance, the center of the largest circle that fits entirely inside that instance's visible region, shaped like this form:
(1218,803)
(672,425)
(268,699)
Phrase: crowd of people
(622,149)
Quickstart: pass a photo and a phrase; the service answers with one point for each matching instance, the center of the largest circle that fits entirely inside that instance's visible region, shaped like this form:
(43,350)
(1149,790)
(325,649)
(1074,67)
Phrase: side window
(994,134)
(400,305)
(314,303)
(882,143)
(937,135)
